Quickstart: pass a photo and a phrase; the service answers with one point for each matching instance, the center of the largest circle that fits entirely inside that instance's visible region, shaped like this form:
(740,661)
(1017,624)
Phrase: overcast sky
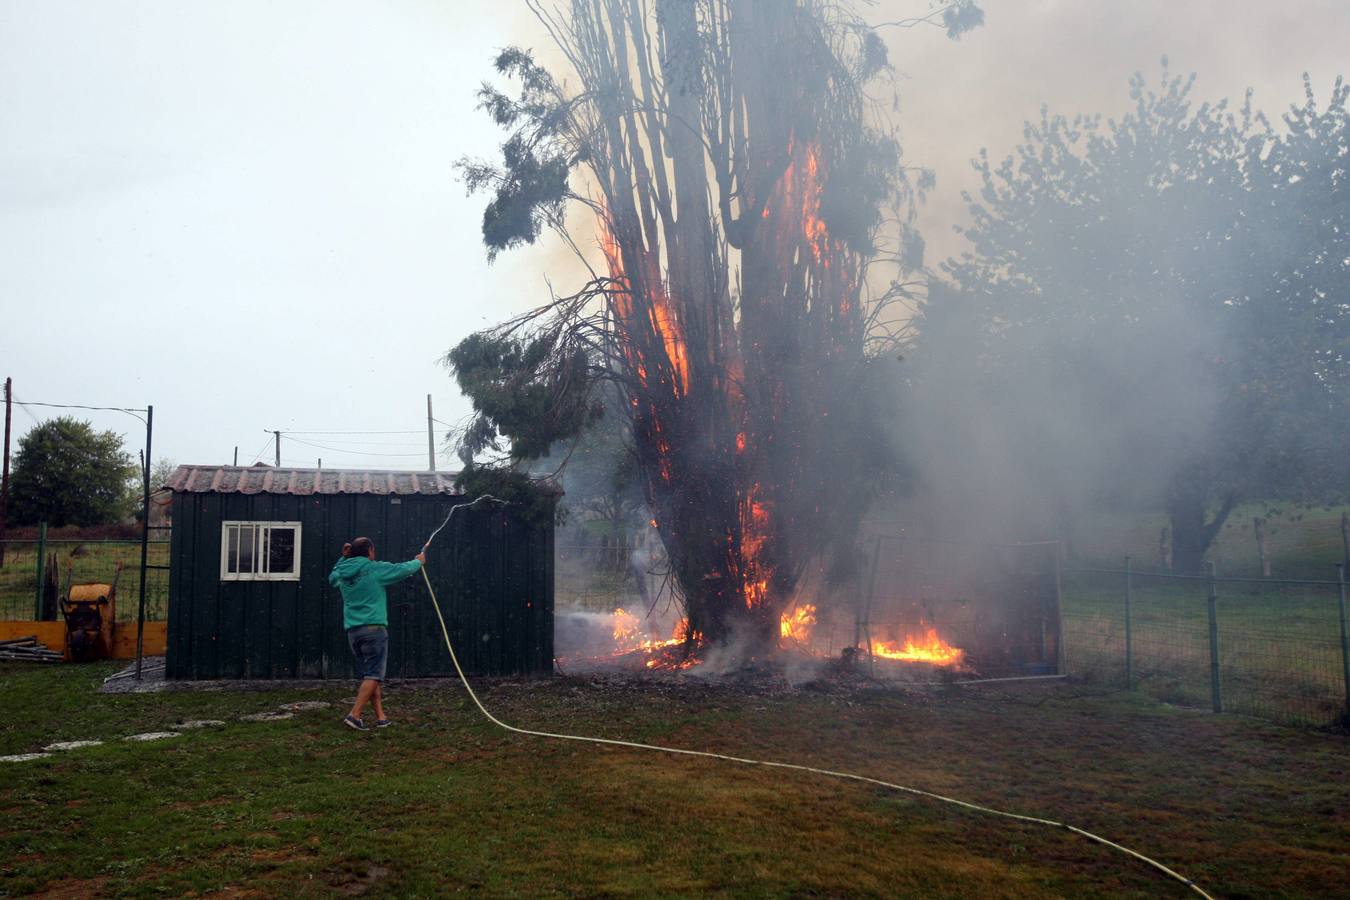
(246,214)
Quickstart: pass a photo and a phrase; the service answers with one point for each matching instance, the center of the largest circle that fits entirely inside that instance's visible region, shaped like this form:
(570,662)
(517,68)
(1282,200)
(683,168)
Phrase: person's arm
(332,574)
(388,573)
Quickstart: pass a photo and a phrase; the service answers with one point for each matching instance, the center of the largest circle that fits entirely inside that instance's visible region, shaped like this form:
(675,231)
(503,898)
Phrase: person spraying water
(362,580)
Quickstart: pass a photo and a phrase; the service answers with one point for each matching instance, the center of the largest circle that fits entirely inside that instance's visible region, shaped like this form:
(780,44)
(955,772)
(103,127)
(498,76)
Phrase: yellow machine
(90,611)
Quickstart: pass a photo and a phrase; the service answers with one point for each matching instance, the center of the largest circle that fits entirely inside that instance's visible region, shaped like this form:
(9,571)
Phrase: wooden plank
(233,601)
(285,600)
(317,555)
(514,593)
(50,634)
(154,643)
(548,575)
(179,609)
(255,637)
(206,590)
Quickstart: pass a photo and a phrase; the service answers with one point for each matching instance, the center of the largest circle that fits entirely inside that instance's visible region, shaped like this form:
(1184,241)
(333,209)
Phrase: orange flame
(631,637)
(928,647)
(755,572)
(797,625)
(661,317)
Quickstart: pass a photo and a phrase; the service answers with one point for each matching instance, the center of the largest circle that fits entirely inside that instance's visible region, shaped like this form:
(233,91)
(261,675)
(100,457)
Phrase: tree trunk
(1187,503)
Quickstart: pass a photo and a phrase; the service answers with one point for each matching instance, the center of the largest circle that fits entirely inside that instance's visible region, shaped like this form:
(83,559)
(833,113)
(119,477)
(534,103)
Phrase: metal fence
(21,577)
(1268,647)
(600,577)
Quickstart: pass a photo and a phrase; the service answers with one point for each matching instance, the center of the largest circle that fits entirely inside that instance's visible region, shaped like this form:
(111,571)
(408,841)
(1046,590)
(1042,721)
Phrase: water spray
(454,509)
(445,632)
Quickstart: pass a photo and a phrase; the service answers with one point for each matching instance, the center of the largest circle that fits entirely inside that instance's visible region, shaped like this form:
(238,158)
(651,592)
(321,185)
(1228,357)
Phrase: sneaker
(352,721)
(383,723)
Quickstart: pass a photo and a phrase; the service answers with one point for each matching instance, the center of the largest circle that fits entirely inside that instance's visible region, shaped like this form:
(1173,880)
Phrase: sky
(247,214)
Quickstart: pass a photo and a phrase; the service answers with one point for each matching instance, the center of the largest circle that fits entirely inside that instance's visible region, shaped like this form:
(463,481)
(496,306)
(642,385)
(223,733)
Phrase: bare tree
(740,175)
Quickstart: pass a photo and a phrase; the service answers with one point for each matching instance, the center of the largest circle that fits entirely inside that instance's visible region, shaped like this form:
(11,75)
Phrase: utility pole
(278,436)
(431,440)
(236,454)
(4,480)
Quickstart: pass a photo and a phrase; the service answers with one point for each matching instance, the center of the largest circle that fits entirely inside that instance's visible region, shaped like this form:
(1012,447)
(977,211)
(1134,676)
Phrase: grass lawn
(445,803)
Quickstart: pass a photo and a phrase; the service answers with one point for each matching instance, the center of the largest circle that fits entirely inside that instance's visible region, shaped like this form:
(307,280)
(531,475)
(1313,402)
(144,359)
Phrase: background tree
(599,474)
(1141,305)
(739,179)
(66,473)
(161,471)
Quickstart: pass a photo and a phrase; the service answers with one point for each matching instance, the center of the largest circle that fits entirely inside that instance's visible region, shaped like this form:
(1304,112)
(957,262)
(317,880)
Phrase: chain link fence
(82,562)
(1274,648)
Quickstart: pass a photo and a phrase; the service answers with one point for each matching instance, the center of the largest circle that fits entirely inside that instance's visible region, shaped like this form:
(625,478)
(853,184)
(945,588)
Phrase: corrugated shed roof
(304,482)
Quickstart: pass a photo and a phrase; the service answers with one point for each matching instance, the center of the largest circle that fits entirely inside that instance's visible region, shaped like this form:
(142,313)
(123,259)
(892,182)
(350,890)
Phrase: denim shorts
(370,646)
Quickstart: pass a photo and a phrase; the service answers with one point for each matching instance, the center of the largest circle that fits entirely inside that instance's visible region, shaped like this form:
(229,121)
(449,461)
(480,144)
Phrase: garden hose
(778,765)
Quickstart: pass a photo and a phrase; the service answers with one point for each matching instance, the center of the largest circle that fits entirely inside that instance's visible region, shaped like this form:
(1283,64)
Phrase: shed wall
(492,573)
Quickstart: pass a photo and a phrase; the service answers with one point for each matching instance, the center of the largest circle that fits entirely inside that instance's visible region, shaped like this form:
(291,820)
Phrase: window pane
(232,549)
(246,537)
(281,550)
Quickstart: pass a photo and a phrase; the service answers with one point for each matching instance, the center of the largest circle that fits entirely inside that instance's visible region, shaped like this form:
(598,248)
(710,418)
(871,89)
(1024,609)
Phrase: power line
(66,442)
(129,410)
(418,431)
(257,456)
(404,444)
(350,452)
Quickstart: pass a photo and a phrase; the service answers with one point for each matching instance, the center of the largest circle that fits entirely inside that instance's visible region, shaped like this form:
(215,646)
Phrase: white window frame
(262,536)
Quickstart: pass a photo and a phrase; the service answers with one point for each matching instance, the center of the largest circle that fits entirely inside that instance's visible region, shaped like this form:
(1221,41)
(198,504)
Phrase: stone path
(284,711)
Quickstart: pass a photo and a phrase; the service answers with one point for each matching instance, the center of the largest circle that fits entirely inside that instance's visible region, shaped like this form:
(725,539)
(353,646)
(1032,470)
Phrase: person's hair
(359,547)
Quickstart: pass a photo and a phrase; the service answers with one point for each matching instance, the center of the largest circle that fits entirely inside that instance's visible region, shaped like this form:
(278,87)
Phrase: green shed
(251,549)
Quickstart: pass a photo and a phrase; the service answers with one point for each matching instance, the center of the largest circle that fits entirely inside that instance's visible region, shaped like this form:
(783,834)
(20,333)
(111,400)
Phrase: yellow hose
(782,765)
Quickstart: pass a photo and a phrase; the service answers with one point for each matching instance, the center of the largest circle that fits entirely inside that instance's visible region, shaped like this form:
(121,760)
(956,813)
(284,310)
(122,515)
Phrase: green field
(445,803)
(90,561)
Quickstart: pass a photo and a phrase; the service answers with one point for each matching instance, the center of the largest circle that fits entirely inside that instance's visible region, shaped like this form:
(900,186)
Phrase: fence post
(1129,643)
(1061,667)
(41,571)
(1216,696)
(145,535)
(1345,641)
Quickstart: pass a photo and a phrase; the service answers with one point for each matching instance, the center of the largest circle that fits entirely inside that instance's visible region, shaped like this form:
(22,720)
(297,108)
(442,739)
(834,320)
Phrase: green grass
(1279,645)
(445,803)
(91,561)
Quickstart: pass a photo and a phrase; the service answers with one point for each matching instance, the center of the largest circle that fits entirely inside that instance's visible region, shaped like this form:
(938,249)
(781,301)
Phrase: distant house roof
(304,482)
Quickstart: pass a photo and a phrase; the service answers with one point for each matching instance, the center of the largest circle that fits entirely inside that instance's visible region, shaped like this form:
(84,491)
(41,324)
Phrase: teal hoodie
(362,582)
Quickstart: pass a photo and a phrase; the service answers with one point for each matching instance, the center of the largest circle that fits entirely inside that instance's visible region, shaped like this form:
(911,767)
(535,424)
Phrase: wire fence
(82,562)
(1274,648)
(603,576)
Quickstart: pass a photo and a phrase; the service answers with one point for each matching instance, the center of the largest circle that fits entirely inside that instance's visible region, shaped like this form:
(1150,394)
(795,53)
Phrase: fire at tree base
(925,611)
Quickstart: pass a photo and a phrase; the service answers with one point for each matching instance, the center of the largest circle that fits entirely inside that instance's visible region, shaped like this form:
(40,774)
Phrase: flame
(928,647)
(797,625)
(661,317)
(755,572)
(630,637)
(626,627)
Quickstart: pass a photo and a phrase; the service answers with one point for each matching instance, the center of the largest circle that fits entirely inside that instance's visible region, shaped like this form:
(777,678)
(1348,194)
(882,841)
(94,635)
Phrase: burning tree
(739,177)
